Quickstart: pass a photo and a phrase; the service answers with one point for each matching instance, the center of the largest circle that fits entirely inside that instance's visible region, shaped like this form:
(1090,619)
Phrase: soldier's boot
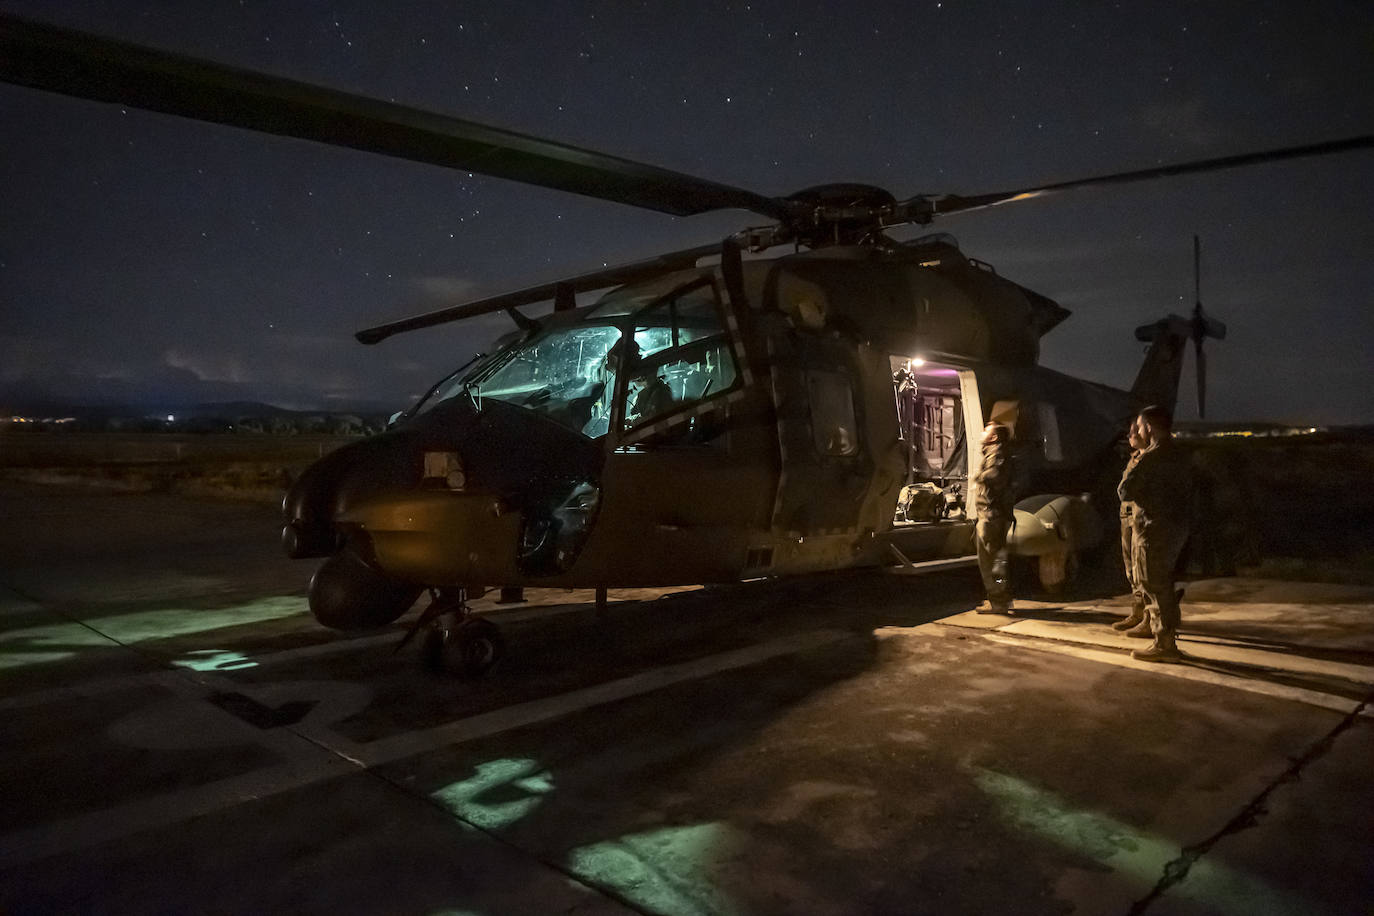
(1137,615)
(995,607)
(1142,630)
(1164,649)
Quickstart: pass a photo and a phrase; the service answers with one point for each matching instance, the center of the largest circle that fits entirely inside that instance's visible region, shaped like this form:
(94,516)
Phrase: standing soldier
(1137,616)
(1160,484)
(994,503)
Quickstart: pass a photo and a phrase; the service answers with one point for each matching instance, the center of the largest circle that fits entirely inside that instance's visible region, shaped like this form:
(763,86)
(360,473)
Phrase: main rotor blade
(954,203)
(1197,272)
(1201,369)
(599,279)
(87,66)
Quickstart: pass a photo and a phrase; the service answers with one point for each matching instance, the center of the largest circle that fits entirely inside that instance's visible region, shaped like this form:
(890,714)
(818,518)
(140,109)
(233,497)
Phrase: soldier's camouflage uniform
(1128,545)
(994,501)
(1160,485)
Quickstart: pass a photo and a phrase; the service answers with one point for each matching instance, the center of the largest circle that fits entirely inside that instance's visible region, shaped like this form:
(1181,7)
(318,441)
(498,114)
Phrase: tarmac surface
(179,736)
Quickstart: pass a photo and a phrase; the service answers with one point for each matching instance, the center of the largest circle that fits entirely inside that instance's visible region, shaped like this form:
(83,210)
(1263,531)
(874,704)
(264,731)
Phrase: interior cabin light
(917,362)
(446,468)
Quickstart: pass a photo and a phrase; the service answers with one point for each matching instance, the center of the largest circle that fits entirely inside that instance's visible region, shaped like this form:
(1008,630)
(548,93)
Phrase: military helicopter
(714,415)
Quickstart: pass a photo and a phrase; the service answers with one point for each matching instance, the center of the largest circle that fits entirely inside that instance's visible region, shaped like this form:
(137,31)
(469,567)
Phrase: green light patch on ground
(665,870)
(215,660)
(49,643)
(57,641)
(499,794)
(1129,851)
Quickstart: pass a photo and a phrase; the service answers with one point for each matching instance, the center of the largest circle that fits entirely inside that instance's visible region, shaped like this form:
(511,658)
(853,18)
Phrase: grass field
(254,467)
(60,449)
(1292,508)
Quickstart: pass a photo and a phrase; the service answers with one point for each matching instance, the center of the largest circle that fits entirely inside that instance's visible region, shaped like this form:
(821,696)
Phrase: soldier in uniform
(994,503)
(1137,615)
(655,398)
(1160,484)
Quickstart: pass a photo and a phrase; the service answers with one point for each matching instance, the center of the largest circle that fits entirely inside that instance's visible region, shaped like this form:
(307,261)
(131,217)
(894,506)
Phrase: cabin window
(684,357)
(678,378)
(688,315)
(833,426)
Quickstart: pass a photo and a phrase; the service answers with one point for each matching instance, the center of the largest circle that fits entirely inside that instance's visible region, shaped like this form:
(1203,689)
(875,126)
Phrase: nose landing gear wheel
(467,648)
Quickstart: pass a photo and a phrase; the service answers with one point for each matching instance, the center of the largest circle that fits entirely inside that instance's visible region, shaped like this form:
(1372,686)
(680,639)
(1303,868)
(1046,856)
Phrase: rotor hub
(839,214)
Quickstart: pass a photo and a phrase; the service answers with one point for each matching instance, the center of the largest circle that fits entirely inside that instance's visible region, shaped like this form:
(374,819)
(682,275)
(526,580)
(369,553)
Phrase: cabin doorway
(932,428)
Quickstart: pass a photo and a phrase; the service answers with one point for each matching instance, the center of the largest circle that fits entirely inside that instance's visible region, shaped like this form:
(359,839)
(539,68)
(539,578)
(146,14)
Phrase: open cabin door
(825,466)
(932,418)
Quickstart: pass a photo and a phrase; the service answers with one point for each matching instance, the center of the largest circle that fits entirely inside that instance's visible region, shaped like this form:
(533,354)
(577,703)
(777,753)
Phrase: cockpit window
(451,385)
(562,373)
(456,382)
(687,316)
(677,355)
(684,356)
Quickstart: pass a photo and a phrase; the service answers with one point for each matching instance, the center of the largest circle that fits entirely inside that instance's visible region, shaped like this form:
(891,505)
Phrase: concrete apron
(929,768)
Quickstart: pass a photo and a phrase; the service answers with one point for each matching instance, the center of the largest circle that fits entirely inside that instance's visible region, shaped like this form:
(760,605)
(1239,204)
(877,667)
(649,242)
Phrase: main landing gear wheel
(1057,572)
(467,647)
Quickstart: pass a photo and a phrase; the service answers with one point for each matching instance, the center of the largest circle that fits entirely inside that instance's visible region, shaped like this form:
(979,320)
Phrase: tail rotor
(1201,327)
(1157,382)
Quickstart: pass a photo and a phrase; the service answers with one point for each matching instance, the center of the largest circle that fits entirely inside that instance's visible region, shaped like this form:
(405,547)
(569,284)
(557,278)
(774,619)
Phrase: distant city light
(1264,433)
(171,418)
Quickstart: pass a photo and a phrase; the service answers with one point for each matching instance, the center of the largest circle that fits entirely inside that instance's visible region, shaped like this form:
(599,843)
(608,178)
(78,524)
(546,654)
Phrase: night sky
(156,260)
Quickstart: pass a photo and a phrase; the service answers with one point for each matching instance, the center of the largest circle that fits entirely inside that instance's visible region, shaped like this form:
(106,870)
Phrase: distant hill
(46,407)
(96,399)
(230,409)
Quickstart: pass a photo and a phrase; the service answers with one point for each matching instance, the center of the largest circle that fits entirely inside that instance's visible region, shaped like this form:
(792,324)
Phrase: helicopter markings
(1187,672)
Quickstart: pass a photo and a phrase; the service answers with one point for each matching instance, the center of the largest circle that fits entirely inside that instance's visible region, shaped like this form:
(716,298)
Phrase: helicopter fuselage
(800,414)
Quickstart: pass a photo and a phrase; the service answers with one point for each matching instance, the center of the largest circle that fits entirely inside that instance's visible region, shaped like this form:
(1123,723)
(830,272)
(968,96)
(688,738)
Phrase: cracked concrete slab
(1292,856)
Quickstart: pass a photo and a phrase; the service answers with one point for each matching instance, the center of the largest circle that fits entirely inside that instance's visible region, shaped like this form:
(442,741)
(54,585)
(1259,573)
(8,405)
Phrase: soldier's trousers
(1157,547)
(1128,560)
(991,537)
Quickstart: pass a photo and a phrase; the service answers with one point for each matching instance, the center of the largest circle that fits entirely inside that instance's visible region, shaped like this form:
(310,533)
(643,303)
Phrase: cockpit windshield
(561,373)
(668,338)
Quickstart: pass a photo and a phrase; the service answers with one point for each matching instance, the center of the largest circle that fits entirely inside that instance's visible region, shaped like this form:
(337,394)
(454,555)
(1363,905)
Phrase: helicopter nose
(300,540)
(435,536)
(354,472)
